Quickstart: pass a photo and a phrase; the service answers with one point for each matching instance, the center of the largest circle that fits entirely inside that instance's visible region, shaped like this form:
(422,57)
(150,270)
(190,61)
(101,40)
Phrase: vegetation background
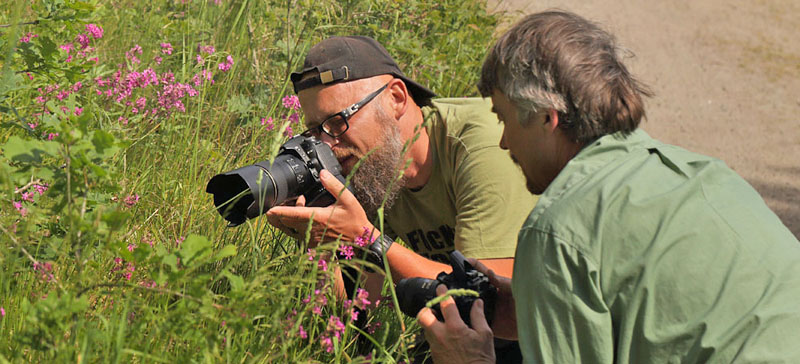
(113,117)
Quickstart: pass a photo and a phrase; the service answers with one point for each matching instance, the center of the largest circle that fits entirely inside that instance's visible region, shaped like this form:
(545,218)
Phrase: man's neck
(421,154)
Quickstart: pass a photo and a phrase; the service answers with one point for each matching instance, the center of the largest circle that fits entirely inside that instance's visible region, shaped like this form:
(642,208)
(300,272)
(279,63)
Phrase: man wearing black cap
(456,188)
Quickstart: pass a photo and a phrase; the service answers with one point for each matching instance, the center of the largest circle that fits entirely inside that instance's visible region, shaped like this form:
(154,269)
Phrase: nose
(329,140)
(503,145)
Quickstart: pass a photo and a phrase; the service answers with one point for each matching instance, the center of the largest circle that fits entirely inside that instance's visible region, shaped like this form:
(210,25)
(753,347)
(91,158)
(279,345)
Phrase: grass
(124,258)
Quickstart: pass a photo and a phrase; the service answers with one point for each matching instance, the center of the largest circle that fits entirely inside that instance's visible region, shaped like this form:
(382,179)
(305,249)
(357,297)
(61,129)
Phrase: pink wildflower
(311,253)
(83,40)
(225,66)
(131,200)
(323,265)
(18,205)
(94,30)
(294,118)
(69,59)
(346,251)
(141,102)
(303,334)
(166,48)
(288,132)
(361,300)
(131,247)
(291,102)
(365,238)
(268,122)
(33,125)
(77,86)
(78,111)
(3,313)
(180,240)
(335,326)
(30,76)
(40,188)
(209,49)
(158,59)
(130,269)
(27,37)
(52,136)
(27,196)
(326,343)
(199,60)
(373,326)
(131,54)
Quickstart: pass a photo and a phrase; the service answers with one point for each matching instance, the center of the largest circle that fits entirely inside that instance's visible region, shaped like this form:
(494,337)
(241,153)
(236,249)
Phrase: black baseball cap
(341,59)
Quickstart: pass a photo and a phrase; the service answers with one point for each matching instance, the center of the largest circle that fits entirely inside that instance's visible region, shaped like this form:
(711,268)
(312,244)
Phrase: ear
(551,120)
(399,97)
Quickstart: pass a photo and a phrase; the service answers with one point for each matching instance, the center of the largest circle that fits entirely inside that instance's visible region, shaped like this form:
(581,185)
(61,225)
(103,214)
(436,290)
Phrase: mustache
(344,152)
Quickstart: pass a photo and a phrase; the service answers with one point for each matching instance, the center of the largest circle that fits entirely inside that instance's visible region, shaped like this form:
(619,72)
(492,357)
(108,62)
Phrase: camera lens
(267,185)
(413,293)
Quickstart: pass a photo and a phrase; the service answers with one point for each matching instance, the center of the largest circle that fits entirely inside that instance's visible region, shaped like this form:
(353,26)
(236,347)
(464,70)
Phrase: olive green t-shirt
(642,252)
(475,200)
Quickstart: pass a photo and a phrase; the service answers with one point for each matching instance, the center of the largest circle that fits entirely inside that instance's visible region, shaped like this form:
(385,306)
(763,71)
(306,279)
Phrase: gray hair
(558,60)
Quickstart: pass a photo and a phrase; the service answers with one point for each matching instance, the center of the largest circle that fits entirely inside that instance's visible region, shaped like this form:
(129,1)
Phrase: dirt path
(726,74)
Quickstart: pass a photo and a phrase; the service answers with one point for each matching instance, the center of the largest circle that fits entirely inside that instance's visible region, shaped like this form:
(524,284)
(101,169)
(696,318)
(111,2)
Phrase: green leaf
(194,247)
(102,140)
(237,283)
(27,151)
(171,261)
(227,251)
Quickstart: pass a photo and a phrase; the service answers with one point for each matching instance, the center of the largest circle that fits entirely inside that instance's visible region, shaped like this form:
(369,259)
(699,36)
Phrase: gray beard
(375,183)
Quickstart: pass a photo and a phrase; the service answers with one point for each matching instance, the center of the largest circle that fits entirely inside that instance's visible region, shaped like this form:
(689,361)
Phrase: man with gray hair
(637,251)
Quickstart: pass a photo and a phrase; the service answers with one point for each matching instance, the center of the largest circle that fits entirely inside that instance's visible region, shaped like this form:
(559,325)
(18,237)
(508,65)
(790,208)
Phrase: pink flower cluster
(335,330)
(26,194)
(45,271)
(226,66)
(131,200)
(166,48)
(322,264)
(170,94)
(131,54)
(346,251)
(127,269)
(291,102)
(95,31)
(289,323)
(27,37)
(83,39)
(268,123)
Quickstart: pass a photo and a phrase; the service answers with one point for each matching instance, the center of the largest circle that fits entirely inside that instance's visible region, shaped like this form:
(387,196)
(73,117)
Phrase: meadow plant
(114,115)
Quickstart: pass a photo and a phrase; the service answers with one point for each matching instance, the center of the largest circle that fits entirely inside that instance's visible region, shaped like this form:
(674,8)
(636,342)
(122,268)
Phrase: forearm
(404,263)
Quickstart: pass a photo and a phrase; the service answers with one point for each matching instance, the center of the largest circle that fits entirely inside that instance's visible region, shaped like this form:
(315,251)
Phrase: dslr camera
(413,293)
(250,191)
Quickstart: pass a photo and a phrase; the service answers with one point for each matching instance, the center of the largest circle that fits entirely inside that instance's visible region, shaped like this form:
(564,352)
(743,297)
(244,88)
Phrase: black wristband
(378,249)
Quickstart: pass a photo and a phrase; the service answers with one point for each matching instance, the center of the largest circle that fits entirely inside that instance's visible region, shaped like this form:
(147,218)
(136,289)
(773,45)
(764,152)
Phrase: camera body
(294,172)
(413,293)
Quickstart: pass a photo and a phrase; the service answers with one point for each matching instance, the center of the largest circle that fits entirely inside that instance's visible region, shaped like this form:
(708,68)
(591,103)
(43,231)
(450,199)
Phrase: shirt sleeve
(491,203)
(561,316)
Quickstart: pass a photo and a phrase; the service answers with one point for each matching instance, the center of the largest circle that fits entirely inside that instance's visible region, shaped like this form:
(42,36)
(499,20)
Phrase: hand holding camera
(414,293)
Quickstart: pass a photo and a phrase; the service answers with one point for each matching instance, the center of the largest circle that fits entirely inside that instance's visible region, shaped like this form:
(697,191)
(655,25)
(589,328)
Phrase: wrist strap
(378,249)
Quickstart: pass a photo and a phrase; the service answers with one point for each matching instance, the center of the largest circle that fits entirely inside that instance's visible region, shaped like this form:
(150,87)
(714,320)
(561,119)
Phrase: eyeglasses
(337,124)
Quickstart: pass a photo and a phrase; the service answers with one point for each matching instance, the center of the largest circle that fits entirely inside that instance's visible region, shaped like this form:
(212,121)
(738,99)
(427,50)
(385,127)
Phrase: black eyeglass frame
(346,114)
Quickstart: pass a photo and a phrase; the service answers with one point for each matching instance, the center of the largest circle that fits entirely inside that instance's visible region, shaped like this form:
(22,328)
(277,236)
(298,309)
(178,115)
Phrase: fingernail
(324,173)
(480,303)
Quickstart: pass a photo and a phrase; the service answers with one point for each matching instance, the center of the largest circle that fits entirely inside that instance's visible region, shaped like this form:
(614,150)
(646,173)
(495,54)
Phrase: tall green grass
(90,273)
